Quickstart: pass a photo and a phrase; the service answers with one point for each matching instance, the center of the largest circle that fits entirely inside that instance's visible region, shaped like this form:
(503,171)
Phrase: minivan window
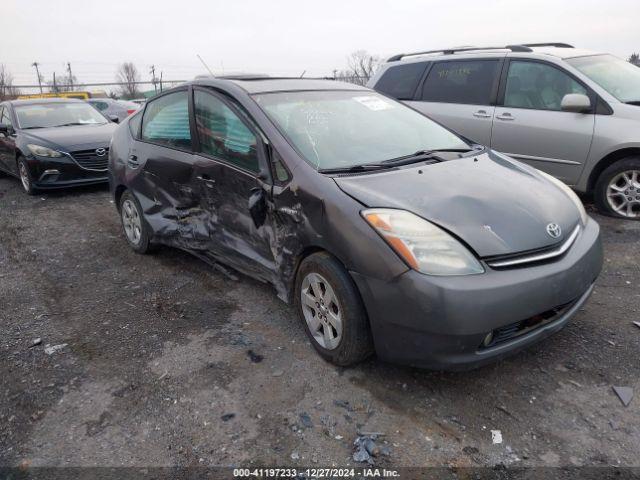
(166,121)
(463,81)
(341,129)
(222,134)
(401,81)
(621,79)
(538,86)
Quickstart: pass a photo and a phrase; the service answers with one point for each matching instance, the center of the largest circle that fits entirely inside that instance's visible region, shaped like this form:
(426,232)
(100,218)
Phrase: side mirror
(114,118)
(5,129)
(575,102)
(258,206)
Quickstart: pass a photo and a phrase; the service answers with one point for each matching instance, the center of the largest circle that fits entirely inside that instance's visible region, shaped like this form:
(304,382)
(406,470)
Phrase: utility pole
(55,88)
(153,77)
(160,81)
(70,75)
(35,64)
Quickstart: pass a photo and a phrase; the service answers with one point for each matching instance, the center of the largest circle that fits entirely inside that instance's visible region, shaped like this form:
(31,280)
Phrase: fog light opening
(488,339)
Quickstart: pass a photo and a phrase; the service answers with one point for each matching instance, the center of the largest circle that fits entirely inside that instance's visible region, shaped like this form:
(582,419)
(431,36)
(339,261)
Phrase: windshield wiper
(633,102)
(355,168)
(421,155)
(72,124)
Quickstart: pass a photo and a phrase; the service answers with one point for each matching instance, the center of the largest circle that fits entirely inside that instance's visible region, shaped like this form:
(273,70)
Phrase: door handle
(481,114)
(132,161)
(505,116)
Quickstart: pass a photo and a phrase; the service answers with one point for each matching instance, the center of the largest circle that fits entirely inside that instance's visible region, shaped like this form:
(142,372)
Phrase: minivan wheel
(331,310)
(25,177)
(135,228)
(617,190)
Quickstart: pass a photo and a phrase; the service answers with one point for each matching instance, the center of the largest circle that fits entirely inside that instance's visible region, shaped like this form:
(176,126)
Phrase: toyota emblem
(554,230)
(100,152)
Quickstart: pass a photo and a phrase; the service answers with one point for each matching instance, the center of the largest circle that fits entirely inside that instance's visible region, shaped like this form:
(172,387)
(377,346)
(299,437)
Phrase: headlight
(425,247)
(570,193)
(41,151)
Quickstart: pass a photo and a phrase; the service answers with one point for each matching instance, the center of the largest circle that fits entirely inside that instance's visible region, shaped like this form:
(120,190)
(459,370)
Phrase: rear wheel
(332,312)
(135,228)
(25,176)
(617,190)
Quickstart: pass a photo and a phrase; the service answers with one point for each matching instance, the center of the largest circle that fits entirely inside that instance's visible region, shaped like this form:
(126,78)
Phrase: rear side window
(222,134)
(469,82)
(166,121)
(401,81)
(100,105)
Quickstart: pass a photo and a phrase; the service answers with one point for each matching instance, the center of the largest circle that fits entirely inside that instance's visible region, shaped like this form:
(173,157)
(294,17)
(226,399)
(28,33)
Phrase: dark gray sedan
(389,232)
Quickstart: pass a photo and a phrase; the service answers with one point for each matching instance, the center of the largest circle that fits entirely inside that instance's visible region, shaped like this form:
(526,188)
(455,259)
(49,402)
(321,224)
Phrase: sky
(285,37)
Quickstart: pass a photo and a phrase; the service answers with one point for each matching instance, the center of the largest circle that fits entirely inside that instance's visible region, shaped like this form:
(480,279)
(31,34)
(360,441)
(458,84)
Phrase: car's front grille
(513,330)
(526,259)
(90,159)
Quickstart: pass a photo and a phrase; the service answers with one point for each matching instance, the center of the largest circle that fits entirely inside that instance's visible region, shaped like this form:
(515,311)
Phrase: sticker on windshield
(374,103)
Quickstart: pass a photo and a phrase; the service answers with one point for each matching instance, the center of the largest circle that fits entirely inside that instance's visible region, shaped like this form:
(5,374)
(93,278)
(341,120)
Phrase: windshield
(621,79)
(43,115)
(342,129)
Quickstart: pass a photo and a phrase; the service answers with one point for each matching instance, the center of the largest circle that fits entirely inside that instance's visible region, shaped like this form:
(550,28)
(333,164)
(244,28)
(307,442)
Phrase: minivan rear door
(530,126)
(460,94)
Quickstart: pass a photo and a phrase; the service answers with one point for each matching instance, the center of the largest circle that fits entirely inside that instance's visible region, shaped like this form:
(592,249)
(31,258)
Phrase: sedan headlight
(423,246)
(570,193)
(41,151)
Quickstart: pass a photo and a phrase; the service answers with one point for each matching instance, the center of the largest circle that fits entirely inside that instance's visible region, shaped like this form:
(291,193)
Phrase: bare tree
(361,66)
(63,83)
(7,90)
(128,76)
(635,59)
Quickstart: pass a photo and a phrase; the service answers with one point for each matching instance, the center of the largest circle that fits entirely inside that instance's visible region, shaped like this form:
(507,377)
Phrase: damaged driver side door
(233,181)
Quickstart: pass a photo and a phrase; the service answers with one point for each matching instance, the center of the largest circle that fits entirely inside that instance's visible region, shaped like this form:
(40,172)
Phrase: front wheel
(617,190)
(135,227)
(25,177)
(331,310)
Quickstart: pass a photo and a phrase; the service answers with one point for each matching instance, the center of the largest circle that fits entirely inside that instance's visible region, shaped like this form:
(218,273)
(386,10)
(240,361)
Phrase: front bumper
(441,322)
(49,173)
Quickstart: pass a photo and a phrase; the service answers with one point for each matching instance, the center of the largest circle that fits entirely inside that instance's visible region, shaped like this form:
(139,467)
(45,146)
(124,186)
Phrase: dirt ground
(168,362)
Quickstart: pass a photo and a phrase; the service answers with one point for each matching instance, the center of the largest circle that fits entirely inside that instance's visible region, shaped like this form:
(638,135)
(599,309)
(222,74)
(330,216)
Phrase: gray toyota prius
(390,233)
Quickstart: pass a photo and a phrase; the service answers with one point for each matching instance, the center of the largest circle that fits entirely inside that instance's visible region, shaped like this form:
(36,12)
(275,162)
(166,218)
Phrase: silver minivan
(572,113)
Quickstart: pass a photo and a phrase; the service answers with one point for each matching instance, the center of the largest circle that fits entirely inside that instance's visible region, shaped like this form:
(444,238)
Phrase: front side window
(341,129)
(166,121)
(401,81)
(621,79)
(538,86)
(222,134)
(465,81)
(54,114)
(100,105)
(5,118)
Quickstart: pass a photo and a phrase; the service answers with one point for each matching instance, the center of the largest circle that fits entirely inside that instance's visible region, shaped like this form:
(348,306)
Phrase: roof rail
(449,51)
(548,44)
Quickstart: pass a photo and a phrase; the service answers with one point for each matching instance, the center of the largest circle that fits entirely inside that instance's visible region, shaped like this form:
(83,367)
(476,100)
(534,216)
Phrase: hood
(495,205)
(75,137)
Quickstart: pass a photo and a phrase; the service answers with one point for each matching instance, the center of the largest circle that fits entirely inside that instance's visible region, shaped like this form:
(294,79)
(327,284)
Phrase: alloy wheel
(623,194)
(321,310)
(131,222)
(24,177)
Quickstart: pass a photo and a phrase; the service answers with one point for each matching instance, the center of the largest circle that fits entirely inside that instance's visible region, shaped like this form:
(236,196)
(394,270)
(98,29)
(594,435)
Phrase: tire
(613,180)
(24,174)
(354,343)
(135,228)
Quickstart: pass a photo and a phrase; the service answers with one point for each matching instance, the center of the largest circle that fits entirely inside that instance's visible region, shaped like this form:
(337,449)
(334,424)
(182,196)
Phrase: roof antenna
(205,65)
(303,73)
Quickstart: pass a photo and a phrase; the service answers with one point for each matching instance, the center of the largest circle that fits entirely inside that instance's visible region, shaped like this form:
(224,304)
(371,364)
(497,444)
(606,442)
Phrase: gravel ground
(167,362)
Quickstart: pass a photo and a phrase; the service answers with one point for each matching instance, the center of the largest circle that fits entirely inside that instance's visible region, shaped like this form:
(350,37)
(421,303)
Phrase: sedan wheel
(623,194)
(321,310)
(25,177)
(331,308)
(133,223)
